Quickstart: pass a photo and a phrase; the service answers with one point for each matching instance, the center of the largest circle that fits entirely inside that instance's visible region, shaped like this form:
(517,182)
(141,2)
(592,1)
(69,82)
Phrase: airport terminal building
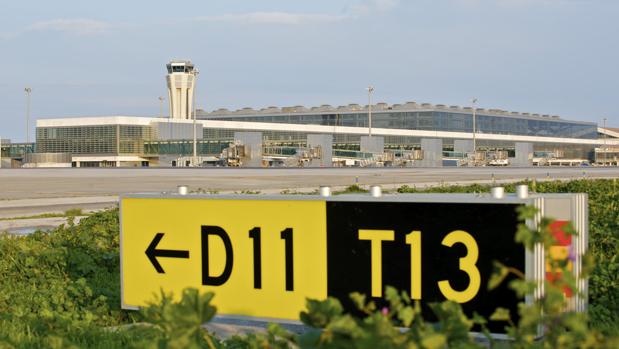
(407,134)
(403,126)
(399,129)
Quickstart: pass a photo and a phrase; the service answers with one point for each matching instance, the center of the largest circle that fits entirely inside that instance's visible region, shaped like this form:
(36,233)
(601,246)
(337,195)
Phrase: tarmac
(98,182)
(32,192)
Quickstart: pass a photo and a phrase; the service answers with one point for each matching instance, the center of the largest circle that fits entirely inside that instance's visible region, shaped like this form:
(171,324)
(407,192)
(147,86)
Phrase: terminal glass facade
(435,121)
(132,138)
(352,141)
(215,140)
(98,139)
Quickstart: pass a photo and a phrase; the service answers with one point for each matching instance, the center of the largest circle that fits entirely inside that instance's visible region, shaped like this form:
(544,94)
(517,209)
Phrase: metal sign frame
(572,207)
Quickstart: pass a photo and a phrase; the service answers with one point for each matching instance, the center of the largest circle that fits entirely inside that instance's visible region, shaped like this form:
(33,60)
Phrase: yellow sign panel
(260,258)
(264,256)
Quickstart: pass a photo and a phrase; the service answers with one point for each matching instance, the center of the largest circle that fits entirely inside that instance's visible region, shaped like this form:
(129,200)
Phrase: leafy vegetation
(61,283)
(60,289)
(603,238)
(248,192)
(200,190)
(74,212)
(352,189)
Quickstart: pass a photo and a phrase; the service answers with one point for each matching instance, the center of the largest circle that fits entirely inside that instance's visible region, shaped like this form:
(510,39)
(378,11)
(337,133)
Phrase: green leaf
(434,341)
(320,313)
(310,339)
(499,274)
(392,295)
(500,314)
(406,315)
(358,300)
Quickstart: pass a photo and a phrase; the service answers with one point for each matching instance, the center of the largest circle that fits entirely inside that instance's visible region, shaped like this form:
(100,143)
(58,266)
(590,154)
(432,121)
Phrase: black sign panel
(434,251)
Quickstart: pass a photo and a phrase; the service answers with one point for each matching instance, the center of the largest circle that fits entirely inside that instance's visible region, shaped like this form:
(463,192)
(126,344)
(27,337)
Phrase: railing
(184,147)
(280,150)
(454,154)
(17,150)
(352,154)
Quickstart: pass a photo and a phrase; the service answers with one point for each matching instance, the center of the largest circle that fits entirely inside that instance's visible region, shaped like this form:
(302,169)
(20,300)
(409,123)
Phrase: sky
(89,58)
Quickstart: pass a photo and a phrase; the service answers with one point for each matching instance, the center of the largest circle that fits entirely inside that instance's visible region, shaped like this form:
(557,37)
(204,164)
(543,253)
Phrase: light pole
(193,100)
(474,102)
(161,99)
(161,106)
(604,150)
(370,90)
(28,91)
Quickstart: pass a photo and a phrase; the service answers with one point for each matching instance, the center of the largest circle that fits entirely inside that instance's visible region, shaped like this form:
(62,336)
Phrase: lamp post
(474,102)
(370,90)
(161,99)
(193,100)
(605,149)
(161,106)
(28,91)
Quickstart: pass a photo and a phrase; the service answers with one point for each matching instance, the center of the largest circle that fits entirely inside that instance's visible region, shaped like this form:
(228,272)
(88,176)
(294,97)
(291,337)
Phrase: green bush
(60,281)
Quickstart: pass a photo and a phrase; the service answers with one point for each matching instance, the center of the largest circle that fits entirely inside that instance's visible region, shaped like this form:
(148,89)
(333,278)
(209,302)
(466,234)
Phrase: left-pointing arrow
(152,253)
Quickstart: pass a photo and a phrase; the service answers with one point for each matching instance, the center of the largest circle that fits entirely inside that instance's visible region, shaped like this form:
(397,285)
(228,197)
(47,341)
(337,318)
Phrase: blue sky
(108,57)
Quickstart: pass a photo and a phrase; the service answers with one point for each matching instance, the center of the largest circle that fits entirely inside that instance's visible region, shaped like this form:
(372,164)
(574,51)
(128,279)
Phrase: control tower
(181,80)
